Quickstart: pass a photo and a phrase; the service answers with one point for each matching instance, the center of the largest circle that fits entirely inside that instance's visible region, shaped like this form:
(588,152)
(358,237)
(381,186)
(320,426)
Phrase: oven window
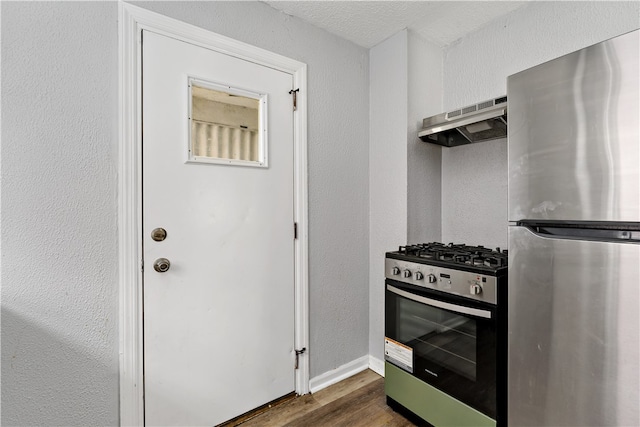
(440,336)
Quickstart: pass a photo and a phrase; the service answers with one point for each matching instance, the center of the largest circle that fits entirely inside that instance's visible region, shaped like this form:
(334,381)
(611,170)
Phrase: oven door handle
(441,304)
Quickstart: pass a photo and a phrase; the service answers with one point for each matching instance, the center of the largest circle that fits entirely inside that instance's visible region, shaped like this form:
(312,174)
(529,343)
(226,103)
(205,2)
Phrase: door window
(226,125)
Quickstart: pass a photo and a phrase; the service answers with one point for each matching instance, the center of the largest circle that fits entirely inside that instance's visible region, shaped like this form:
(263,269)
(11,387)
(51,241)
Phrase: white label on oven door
(398,354)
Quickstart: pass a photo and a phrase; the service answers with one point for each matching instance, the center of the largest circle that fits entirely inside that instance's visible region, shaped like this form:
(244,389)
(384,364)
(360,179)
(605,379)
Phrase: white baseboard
(376,365)
(343,372)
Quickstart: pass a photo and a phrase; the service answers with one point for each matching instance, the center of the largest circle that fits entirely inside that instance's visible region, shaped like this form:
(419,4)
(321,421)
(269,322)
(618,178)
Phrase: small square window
(226,125)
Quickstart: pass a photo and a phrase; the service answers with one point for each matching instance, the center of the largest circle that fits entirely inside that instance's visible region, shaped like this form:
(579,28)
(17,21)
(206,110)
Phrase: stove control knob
(407,273)
(419,276)
(395,271)
(475,289)
(431,278)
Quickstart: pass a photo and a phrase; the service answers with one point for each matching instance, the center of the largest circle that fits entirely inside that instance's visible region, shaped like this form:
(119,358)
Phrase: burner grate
(457,254)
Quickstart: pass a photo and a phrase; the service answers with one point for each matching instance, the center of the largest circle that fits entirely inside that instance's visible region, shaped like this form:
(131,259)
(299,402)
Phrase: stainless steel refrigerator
(574,239)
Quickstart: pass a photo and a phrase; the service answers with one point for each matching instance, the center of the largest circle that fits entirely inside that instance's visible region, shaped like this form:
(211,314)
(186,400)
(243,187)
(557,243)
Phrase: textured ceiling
(367,23)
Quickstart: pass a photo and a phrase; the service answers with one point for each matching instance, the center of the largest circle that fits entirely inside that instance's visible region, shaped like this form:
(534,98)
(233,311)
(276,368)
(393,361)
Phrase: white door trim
(132,20)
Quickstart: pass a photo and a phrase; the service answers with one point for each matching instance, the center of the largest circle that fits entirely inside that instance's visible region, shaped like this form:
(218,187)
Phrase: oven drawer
(429,403)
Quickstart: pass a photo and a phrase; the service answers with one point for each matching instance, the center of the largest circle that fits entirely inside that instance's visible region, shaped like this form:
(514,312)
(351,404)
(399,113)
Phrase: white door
(219,323)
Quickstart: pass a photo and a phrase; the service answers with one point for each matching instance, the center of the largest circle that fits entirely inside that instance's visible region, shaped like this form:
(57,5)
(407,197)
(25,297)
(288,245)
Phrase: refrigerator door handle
(619,232)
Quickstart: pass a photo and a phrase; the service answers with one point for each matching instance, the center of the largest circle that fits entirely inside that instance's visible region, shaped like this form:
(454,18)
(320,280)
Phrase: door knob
(161,265)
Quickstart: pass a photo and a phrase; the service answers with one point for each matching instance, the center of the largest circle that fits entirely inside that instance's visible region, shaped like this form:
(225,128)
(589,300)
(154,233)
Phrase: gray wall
(424,161)
(474,177)
(59,275)
(388,177)
(59,205)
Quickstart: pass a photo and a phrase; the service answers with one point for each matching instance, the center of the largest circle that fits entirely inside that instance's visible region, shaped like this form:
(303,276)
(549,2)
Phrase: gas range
(445,332)
(466,271)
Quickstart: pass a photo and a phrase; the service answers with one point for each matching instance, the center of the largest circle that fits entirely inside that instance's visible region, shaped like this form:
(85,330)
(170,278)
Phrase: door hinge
(294,92)
(298,353)
(295,230)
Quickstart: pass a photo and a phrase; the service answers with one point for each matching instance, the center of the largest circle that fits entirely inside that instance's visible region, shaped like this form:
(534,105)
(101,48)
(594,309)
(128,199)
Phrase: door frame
(131,21)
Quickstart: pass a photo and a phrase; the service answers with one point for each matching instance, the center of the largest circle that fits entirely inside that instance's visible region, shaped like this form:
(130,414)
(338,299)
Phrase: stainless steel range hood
(476,123)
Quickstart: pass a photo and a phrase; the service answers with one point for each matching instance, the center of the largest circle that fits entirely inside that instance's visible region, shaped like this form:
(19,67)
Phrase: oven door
(445,340)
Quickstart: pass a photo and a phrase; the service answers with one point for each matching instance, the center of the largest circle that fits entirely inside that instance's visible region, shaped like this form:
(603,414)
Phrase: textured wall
(388,170)
(424,183)
(59,245)
(338,117)
(474,188)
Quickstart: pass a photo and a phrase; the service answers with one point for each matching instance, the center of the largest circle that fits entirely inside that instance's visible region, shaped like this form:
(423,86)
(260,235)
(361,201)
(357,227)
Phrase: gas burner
(476,260)
(492,262)
(457,257)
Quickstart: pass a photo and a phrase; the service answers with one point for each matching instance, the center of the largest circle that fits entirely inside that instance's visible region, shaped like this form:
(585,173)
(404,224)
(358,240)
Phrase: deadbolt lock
(161,265)
(159,234)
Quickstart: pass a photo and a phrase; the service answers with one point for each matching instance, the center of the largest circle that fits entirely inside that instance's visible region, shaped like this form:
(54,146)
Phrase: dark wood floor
(358,401)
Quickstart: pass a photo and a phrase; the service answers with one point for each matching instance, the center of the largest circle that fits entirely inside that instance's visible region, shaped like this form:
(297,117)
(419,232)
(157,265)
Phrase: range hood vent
(484,121)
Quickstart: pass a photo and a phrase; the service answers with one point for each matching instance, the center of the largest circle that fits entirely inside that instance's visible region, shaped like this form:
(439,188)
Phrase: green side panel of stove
(429,403)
